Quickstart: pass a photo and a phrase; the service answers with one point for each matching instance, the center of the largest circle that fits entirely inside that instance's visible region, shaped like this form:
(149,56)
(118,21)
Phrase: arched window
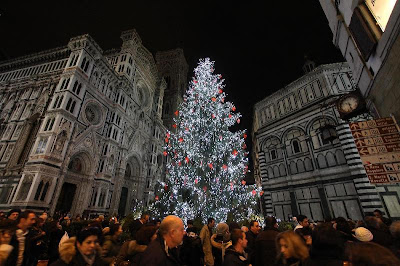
(271,148)
(282,169)
(331,159)
(86,66)
(316,135)
(39,189)
(46,187)
(78,90)
(321,161)
(300,166)
(340,157)
(308,164)
(295,146)
(295,142)
(60,101)
(25,187)
(83,63)
(75,86)
(56,102)
(293,168)
(276,171)
(128,171)
(270,173)
(273,154)
(103,85)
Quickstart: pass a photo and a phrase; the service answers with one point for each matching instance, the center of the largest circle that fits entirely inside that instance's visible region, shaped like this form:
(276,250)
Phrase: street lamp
(328,132)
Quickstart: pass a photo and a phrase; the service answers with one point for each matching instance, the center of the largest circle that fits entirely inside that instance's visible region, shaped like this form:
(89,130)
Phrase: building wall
(300,173)
(80,127)
(376,74)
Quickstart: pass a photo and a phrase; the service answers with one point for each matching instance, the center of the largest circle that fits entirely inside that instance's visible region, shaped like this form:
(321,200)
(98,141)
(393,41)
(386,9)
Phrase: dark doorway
(122,201)
(66,198)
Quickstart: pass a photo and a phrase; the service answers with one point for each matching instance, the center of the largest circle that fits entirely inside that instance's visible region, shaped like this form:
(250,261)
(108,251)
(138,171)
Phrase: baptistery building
(82,129)
(304,154)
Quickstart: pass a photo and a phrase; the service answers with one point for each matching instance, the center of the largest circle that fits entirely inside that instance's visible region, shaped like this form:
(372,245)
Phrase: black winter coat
(155,254)
(13,257)
(265,248)
(233,258)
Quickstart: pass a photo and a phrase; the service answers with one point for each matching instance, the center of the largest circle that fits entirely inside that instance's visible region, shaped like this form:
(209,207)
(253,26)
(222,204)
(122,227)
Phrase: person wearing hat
(362,234)
(220,242)
(13,214)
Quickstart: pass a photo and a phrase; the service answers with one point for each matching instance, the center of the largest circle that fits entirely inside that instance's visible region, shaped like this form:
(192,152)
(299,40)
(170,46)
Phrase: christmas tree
(206,161)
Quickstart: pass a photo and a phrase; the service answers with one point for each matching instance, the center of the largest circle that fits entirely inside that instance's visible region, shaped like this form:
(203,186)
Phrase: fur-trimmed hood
(134,247)
(68,250)
(219,245)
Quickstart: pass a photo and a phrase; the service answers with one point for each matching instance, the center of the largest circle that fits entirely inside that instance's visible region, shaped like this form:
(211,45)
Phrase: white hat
(363,234)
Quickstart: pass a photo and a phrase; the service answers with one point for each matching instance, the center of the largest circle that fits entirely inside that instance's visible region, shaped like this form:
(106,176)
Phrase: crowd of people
(29,238)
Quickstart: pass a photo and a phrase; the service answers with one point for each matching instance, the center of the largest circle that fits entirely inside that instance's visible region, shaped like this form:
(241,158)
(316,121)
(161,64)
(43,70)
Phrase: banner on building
(378,143)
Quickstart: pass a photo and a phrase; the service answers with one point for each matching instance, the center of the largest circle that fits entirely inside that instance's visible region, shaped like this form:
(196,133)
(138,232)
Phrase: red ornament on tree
(238,121)
(243,182)
(156,198)
(165,153)
(261,193)
(219,91)
(253,192)
(235,152)
(224,167)
(205,188)
(168,135)
(166,140)
(244,146)
(230,116)
(174,125)
(180,139)
(223,100)
(187,160)
(234,108)
(196,181)
(195,81)
(176,113)
(165,187)
(244,135)
(186,129)
(210,165)
(213,99)
(179,163)
(213,116)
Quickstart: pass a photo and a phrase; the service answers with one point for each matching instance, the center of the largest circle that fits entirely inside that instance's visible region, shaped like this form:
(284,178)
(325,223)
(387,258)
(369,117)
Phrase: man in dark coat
(251,236)
(235,254)
(137,224)
(163,251)
(265,248)
(20,255)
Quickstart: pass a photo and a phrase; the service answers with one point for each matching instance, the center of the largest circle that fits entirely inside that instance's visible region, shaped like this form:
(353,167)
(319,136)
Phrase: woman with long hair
(292,251)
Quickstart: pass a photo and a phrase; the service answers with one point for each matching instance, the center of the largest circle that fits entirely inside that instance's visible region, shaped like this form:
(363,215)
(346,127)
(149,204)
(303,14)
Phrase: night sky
(258,46)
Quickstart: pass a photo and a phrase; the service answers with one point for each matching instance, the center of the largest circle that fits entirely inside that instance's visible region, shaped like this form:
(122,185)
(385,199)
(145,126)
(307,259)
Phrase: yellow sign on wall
(381,10)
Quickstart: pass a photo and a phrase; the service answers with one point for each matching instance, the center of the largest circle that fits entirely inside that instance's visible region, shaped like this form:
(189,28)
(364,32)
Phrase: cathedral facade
(300,170)
(82,129)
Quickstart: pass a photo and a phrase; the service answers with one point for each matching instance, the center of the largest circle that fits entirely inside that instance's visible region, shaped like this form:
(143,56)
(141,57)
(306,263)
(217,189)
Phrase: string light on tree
(207,162)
